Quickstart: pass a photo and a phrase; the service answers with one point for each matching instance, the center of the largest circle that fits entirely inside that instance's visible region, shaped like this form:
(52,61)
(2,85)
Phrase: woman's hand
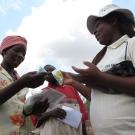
(37,108)
(90,75)
(33,79)
(40,106)
(81,88)
(68,79)
(58,113)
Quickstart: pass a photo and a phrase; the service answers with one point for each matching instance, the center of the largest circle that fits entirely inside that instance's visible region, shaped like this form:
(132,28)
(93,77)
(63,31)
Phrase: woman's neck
(117,35)
(117,38)
(10,70)
(7,67)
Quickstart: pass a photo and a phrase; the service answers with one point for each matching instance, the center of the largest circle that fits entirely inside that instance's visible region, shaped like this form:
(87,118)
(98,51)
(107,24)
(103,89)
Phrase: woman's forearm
(43,118)
(84,90)
(124,84)
(9,91)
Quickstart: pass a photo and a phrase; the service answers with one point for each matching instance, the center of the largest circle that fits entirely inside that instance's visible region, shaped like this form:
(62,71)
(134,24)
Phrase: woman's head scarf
(11,41)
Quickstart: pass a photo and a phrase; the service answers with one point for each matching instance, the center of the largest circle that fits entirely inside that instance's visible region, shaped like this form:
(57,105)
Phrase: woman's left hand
(40,107)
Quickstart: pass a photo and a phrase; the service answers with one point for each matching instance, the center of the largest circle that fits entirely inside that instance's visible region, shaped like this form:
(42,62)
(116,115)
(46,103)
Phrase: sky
(55,29)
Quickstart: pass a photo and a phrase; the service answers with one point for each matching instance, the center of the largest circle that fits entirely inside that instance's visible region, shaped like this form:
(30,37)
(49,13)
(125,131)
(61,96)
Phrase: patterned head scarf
(11,41)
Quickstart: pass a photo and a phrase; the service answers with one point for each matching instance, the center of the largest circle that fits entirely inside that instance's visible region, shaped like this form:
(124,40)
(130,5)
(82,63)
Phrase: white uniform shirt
(114,114)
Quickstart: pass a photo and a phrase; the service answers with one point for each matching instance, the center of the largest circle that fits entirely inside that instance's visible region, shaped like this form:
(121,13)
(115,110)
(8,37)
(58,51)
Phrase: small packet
(41,70)
(57,74)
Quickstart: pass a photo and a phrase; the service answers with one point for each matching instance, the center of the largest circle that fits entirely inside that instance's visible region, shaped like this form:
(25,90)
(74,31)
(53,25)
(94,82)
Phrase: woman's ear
(4,52)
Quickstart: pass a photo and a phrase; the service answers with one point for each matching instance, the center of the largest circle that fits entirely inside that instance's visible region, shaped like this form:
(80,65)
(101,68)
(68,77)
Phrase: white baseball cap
(105,11)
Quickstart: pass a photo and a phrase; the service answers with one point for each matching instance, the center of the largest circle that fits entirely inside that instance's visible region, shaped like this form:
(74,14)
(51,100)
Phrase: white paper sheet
(73,117)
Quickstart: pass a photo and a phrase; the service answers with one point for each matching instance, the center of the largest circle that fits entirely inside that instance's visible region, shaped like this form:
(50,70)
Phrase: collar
(4,72)
(119,42)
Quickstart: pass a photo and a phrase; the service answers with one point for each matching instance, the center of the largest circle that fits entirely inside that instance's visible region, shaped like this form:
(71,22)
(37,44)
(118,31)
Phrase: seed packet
(41,70)
(57,74)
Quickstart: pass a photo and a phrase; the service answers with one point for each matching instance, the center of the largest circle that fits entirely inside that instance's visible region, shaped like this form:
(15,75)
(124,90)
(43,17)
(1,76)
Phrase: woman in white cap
(12,94)
(112,82)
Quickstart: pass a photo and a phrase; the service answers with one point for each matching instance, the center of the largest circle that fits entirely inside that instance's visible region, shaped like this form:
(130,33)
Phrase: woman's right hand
(40,107)
(69,78)
(33,79)
(55,113)
(58,113)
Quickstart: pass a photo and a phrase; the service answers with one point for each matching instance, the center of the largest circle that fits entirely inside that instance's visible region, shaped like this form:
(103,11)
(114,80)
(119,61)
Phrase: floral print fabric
(11,117)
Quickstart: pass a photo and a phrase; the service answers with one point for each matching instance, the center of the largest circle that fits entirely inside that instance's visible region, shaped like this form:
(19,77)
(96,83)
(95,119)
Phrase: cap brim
(92,18)
(91,23)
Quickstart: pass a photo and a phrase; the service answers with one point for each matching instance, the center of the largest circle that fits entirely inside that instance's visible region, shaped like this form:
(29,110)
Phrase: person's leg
(88,128)
(84,129)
